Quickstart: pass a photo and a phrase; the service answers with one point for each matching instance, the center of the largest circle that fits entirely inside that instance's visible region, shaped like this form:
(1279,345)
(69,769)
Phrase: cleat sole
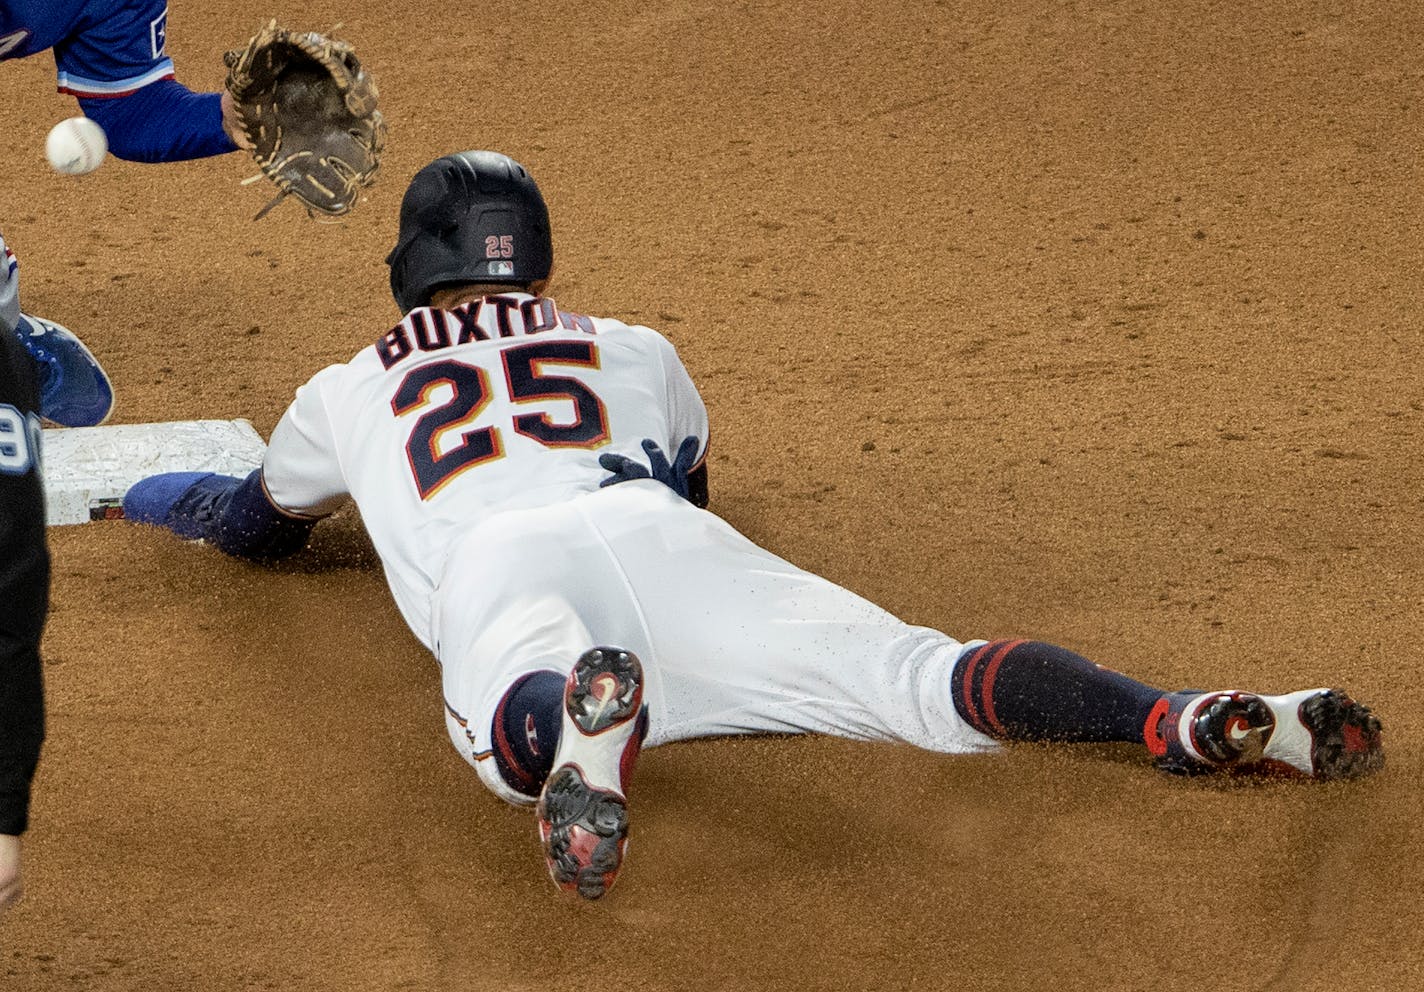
(585,832)
(582,812)
(1347,738)
(604,689)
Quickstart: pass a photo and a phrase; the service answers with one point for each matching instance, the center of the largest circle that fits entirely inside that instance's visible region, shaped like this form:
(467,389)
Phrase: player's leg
(583,808)
(538,701)
(747,641)
(524,733)
(1032,691)
(74,390)
(9,288)
(568,743)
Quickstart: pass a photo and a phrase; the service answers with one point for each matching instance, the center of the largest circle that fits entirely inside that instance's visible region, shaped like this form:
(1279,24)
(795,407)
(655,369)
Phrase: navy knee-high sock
(1032,691)
(526,730)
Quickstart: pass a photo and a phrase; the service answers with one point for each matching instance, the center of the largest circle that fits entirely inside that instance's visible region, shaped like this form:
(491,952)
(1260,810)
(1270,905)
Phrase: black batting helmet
(471,217)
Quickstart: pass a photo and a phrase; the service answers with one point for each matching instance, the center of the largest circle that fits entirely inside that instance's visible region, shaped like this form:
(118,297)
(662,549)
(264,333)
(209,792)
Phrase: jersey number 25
(525,380)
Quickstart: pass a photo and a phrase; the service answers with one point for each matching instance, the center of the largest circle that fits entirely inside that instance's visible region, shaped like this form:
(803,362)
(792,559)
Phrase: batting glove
(672,474)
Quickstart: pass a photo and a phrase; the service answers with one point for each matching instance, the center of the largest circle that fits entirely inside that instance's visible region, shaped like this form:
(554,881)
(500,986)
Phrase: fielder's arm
(162,122)
(115,61)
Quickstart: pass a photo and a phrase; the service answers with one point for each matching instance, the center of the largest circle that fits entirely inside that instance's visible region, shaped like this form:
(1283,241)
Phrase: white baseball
(76,146)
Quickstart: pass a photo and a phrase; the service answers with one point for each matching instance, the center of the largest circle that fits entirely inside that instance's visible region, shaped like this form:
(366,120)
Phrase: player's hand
(671,474)
(624,469)
(11,884)
(230,123)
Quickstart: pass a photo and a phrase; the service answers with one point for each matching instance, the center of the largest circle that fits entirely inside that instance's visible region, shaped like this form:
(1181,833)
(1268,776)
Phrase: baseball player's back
(576,624)
(455,415)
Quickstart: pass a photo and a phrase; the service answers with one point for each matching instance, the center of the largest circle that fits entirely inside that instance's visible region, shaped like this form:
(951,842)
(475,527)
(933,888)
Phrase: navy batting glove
(184,502)
(681,466)
(232,514)
(671,474)
(624,469)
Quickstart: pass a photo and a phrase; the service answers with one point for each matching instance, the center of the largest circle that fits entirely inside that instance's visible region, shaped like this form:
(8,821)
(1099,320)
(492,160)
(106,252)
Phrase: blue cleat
(74,391)
(181,501)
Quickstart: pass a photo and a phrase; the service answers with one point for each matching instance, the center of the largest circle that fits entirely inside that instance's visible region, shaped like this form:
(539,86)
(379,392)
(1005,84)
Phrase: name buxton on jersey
(428,330)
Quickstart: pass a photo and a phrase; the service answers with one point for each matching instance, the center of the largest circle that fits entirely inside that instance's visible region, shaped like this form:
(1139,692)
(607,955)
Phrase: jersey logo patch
(158,34)
(12,41)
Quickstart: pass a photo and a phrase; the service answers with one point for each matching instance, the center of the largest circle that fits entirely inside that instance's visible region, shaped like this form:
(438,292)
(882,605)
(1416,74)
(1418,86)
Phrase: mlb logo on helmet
(501,268)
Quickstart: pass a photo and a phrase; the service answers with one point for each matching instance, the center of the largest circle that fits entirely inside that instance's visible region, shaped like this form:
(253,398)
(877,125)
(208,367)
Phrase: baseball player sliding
(577,621)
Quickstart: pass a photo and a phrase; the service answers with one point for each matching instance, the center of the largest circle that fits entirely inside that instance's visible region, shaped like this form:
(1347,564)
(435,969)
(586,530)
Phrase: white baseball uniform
(470,439)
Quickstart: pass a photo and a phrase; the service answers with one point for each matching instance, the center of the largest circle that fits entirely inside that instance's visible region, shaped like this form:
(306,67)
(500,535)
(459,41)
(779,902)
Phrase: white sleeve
(687,415)
(300,470)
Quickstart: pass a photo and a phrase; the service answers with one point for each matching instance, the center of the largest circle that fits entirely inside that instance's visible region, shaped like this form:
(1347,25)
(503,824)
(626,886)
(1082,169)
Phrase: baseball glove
(308,111)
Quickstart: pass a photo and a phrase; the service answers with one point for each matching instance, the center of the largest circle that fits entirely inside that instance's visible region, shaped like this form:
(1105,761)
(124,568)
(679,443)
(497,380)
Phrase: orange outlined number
(524,373)
(527,382)
(470,395)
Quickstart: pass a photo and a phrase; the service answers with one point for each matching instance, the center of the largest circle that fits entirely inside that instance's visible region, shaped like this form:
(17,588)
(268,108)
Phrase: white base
(87,470)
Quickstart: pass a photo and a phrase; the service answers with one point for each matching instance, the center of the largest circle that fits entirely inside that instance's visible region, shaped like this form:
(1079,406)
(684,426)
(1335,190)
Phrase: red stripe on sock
(987,692)
(970,664)
(1154,735)
(526,783)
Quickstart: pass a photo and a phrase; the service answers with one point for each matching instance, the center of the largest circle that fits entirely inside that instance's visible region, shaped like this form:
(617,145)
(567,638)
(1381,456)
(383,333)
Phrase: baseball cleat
(1316,733)
(74,390)
(582,811)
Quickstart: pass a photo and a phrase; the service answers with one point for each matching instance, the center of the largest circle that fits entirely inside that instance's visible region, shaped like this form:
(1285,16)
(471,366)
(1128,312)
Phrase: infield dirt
(1097,323)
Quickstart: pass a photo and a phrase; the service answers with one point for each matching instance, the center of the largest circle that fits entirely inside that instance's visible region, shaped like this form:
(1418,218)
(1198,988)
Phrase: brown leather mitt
(308,110)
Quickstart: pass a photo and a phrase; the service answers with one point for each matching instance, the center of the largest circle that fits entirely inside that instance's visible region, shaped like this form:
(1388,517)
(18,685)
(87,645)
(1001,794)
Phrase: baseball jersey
(102,48)
(24,584)
(454,416)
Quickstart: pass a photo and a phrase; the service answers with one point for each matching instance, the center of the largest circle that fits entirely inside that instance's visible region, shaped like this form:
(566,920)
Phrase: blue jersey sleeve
(163,122)
(115,48)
